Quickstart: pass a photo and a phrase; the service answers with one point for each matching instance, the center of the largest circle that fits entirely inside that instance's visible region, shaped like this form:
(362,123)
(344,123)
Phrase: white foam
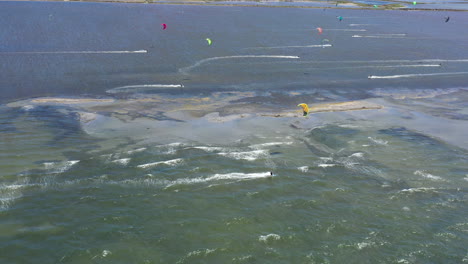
(246,155)
(5,202)
(79,52)
(210,149)
(269,237)
(349,126)
(269,144)
(187,69)
(363,245)
(59,167)
(27,107)
(172,162)
(174,144)
(227,178)
(122,161)
(17,186)
(378,141)
(236,176)
(136,150)
(303,168)
(12,187)
(415,75)
(204,252)
(107,157)
(326,165)
(428,176)
(357,155)
(239,176)
(141,87)
(9,192)
(171,148)
(419,189)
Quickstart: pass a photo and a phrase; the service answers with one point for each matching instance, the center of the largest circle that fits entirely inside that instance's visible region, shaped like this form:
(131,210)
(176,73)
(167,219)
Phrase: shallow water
(339,191)
(171,160)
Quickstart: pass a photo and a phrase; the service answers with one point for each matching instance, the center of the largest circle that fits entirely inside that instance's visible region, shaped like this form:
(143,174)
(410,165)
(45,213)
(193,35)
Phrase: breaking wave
(172,162)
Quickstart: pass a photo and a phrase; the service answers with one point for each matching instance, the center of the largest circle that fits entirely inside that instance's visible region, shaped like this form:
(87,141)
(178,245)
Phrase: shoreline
(394,5)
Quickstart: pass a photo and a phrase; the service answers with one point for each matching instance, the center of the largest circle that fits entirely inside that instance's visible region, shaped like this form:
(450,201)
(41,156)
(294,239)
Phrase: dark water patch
(332,136)
(61,119)
(7,119)
(273,153)
(438,148)
(315,148)
(62,122)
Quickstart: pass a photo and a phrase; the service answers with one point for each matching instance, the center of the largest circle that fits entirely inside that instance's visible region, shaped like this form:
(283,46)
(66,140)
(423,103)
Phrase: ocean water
(121,142)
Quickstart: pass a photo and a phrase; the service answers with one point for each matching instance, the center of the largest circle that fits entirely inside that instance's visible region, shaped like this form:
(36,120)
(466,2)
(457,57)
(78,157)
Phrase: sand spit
(216,108)
(71,100)
(332,107)
(345,106)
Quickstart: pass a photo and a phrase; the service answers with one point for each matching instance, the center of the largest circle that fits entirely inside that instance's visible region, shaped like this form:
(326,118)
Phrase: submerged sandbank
(186,109)
(219,116)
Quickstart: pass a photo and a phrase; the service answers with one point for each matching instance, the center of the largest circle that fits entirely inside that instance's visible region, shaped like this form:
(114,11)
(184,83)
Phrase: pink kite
(164,26)
(319,30)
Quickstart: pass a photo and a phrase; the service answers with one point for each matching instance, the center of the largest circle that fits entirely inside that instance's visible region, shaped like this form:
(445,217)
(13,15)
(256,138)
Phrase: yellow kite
(305,108)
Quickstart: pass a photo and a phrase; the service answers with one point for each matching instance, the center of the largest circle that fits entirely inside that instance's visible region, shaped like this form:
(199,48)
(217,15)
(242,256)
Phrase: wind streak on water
(380,36)
(414,75)
(344,29)
(166,162)
(378,66)
(187,69)
(127,88)
(79,52)
(376,61)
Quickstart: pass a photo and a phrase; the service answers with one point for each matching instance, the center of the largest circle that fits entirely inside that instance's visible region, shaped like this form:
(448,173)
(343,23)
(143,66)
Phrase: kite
(319,29)
(209,41)
(164,26)
(339,18)
(447,19)
(305,109)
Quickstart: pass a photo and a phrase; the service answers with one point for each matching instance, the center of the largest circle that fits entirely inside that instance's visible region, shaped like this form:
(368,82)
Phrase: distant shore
(390,5)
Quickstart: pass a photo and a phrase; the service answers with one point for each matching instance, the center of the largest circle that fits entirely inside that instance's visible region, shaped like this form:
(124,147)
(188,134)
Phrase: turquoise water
(197,154)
